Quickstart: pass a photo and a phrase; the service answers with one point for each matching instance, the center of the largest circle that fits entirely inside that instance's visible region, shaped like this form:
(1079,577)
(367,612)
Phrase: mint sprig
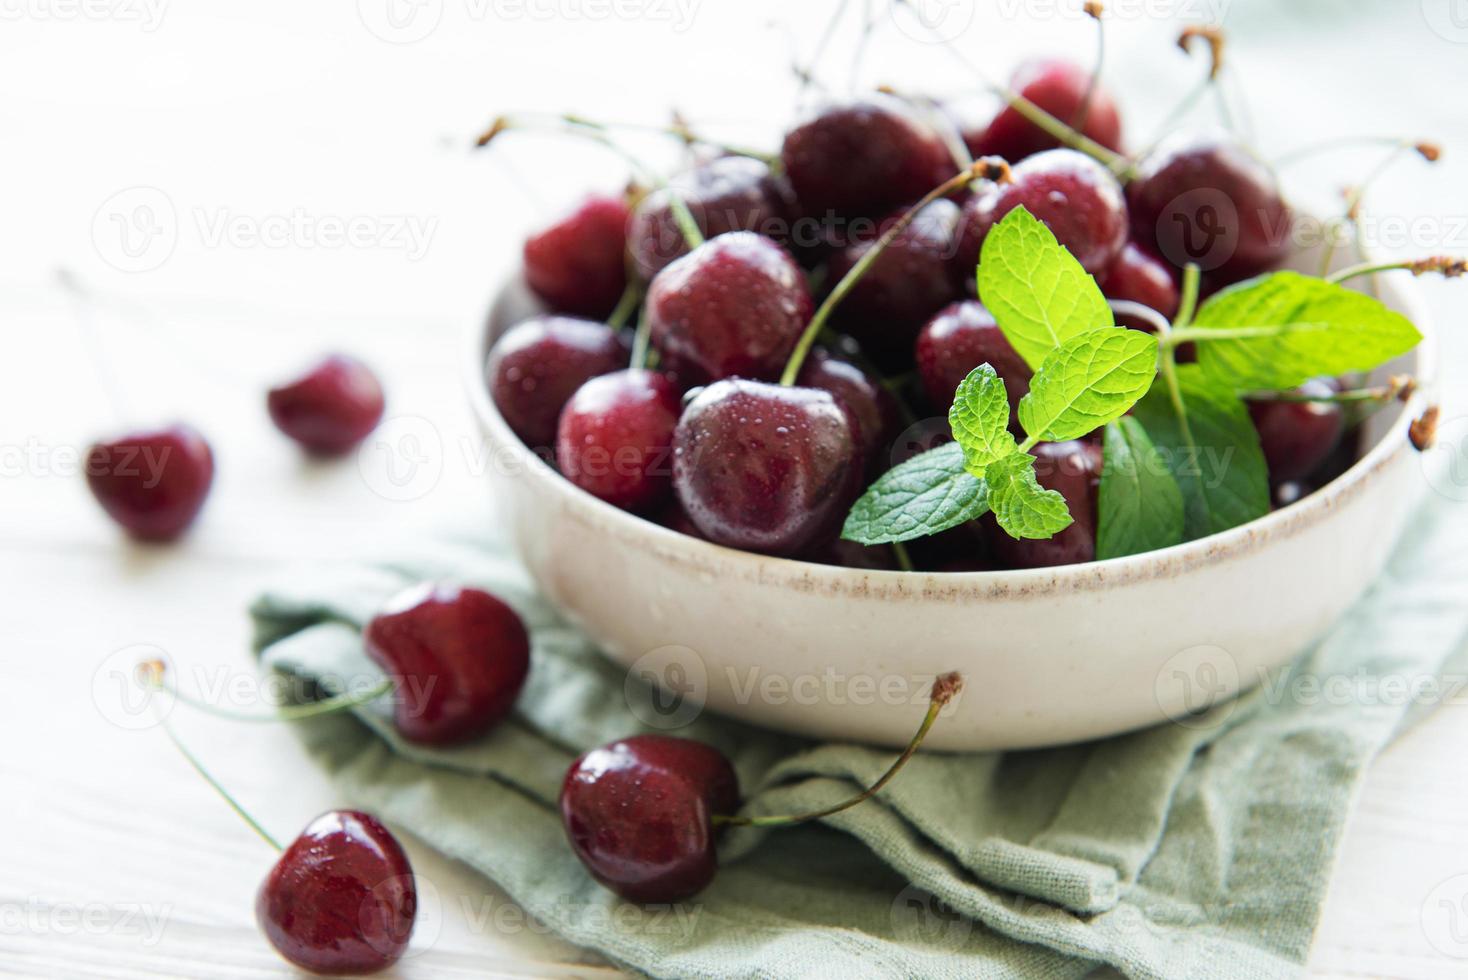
(979,419)
(1023,508)
(925,495)
(1089,380)
(1139,505)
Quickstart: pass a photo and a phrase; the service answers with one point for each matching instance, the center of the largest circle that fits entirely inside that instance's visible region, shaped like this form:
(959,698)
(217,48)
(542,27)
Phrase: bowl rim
(1398,289)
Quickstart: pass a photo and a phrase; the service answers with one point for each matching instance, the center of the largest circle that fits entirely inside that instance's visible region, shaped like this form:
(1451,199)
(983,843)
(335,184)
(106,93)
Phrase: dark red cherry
(329,409)
(863,157)
(1298,436)
(766,468)
(152,482)
(733,306)
(673,518)
(850,554)
(913,279)
(725,194)
(1140,277)
(870,405)
(1074,470)
(959,339)
(578,265)
(458,658)
(1059,87)
(535,368)
(639,814)
(616,438)
(1209,201)
(341,898)
(1080,201)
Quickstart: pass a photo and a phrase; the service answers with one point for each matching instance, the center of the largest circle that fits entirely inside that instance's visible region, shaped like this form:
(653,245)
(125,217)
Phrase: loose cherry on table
(457,656)
(1298,436)
(341,899)
(1060,88)
(152,482)
(1073,469)
(735,305)
(914,278)
(1209,201)
(863,157)
(960,338)
(329,409)
(616,437)
(578,264)
(1078,198)
(730,193)
(538,364)
(643,813)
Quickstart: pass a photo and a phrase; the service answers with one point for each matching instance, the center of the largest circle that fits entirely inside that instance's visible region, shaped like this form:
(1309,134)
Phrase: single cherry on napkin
(329,409)
(152,482)
(643,813)
(458,658)
(341,898)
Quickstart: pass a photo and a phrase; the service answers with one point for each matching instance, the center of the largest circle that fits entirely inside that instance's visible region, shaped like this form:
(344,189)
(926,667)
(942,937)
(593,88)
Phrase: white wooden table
(277,119)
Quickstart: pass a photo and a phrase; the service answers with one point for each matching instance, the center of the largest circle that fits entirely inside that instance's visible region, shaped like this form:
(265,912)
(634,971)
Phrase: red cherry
(331,408)
(458,658)
(733,306)
(538,364)
(1074,470)
(871,406)
(578,264)
(1075,196)
(1297,437)
(1059,87)
(766,468)
(341,898)
(152,482)
(863,157)
(913,279)
(638,814)
(1140,277)
(616,438)
(1210,201)
(959,339)
(725,194)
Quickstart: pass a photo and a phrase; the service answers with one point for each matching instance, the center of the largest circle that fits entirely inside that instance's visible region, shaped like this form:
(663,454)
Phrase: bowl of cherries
(805,429)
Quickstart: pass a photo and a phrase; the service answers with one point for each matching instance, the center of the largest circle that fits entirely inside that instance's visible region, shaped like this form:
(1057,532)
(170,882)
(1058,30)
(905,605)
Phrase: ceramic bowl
(1050,656)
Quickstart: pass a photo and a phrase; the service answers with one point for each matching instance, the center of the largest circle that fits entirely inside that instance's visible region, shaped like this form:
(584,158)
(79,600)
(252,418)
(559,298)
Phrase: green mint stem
(1188,301)
(218,788)
(853,276)
(1168,368)
(1205,334)
(904,560)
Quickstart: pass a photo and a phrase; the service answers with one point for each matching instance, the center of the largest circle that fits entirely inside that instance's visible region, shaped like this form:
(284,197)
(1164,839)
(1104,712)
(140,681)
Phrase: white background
(216,123)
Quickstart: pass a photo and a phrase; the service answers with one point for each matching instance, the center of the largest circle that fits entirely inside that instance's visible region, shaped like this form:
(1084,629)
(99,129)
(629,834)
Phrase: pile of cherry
(742,437)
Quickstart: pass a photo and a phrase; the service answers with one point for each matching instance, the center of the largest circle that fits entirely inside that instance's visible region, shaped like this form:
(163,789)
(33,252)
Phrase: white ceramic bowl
(1050,656)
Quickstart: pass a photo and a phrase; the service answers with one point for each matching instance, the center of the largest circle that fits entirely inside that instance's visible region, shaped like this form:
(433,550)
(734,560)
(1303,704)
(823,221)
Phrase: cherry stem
(1444,265)
(991,167)
(807,75)
(904,560)
(1188,301)
(1354,197)
(626,306)
(1126,307)
(1429,151)
(335,704)
(945,689)
(86,306)
(1398,387)
(679,129)
(1083,113)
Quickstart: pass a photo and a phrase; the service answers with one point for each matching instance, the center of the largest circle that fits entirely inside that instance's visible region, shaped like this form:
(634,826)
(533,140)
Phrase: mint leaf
(1087,381)
(1221,473)
(1039,294)
(1139,506)
(980,419)
(1341,331)
(1023,508)
(927,494)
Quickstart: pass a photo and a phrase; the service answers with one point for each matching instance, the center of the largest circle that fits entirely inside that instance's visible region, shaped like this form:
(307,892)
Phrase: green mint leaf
(1023,508)
(1088,381)
(1039,294)
(1340,331)
(1139,506)
(980,419)
(927,494)
(1221,473)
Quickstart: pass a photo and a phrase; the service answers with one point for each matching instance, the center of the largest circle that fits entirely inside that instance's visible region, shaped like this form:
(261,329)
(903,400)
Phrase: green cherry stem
(1188,301)
(945,689)
(1430,151)
(218,788)
(1398,387)
(1096,12)
(991,167)
(626,306)
(1444,265)
(151,676)
(904,560)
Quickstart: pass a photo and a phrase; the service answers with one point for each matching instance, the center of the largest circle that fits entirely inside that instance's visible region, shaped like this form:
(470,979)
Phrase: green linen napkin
(1198,850)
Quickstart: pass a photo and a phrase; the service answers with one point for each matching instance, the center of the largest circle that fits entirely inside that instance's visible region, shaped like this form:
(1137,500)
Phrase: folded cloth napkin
(1196,850)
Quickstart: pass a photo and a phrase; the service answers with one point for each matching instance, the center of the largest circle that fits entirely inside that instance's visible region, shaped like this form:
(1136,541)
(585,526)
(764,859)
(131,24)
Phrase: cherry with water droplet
(458,658)
(1059,87)
(578,264)
(959,339)
(329,409)
(537,365)
(152,482)
(871,406)
(616,438)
